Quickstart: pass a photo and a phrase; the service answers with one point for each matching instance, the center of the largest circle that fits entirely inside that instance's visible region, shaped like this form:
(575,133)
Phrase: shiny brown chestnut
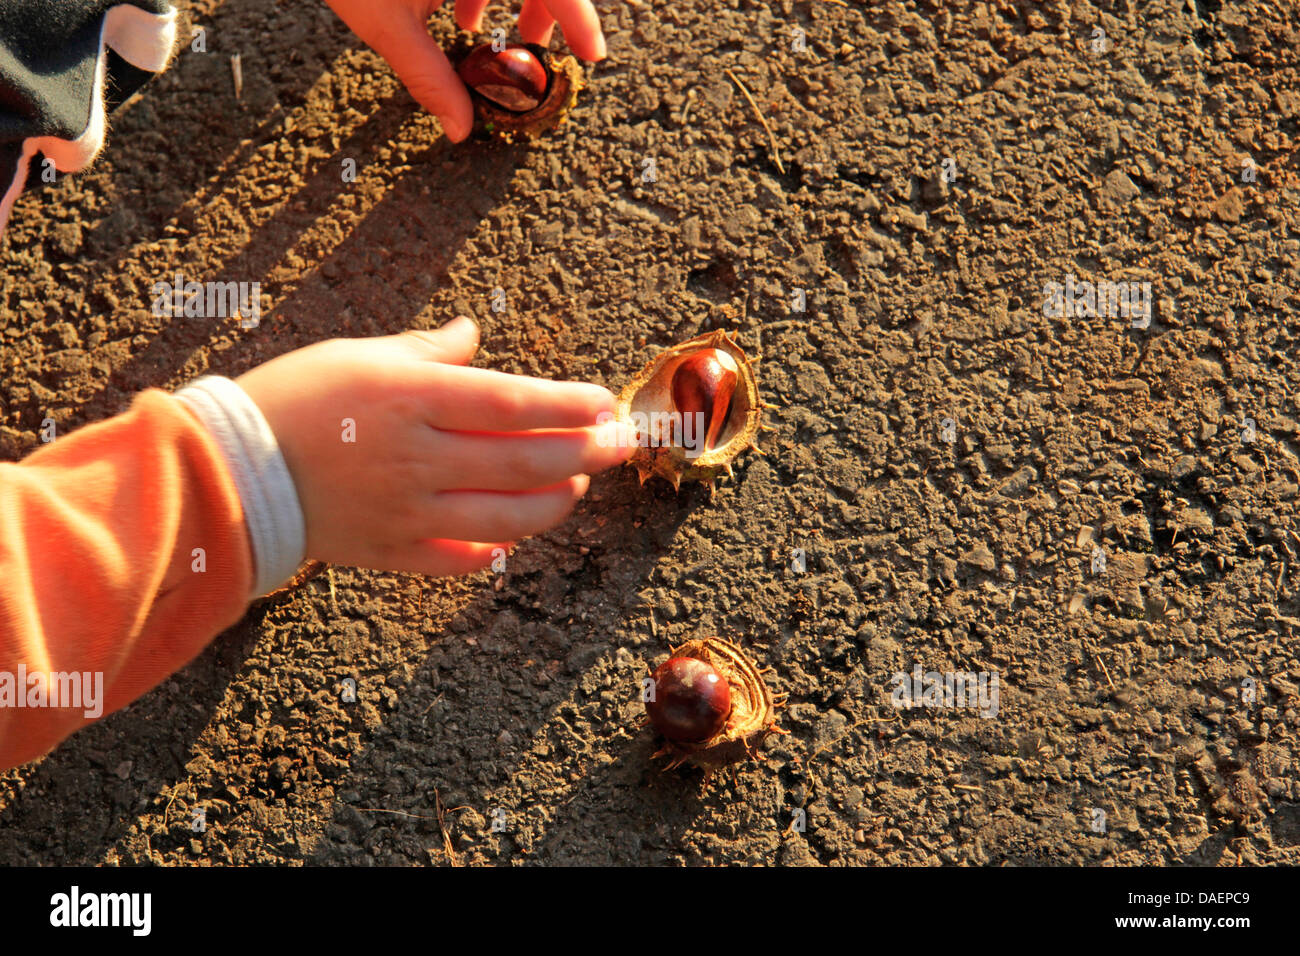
(705,383)
(513,77)
(648,404)
(685,706)
(520,90)
(691,700)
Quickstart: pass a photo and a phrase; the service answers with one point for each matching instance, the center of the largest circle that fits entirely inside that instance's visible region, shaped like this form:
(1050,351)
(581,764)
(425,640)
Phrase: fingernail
(627,434)
(460,318)
(455,132)
(603,399)
(616,434)
(600,46)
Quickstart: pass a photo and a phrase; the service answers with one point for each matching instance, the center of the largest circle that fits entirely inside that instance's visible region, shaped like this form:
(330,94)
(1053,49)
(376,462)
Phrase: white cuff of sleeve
(266,490)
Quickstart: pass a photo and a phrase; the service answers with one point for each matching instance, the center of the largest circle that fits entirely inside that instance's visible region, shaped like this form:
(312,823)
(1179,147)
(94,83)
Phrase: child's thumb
(455,343)
(428,76)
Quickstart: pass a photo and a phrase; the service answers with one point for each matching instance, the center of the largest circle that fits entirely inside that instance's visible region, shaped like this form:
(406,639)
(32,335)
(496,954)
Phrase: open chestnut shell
(695,408)
(750,709)
(521,90)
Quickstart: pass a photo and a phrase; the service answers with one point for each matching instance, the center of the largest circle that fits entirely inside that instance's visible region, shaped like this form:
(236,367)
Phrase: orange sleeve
(123,552)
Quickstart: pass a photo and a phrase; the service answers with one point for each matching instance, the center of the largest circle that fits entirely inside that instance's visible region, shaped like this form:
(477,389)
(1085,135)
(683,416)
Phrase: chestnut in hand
(520,90)
(513,78)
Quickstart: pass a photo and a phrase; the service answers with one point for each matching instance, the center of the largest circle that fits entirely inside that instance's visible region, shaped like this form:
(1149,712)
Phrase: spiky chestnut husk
(752,716)
(651,393)
(564,80)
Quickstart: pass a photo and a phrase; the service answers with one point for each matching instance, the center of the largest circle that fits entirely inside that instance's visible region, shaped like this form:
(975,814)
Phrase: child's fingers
(581,26)
(519,462)
(535,22)
(504,515)
(479,399)
(439,557)
(469,14)
(421,65)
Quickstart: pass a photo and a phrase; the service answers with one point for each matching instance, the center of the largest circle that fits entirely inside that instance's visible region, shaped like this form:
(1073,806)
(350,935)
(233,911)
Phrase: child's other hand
(397,31)
(448,462)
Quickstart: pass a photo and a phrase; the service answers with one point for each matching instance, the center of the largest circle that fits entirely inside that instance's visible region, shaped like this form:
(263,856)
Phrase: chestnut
(520,90)
(705,383)
(512,78)
(708,376)
(691,700)
(711,705)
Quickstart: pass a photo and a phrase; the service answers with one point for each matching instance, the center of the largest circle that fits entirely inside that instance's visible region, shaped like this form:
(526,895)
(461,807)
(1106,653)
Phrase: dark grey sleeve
(63,65)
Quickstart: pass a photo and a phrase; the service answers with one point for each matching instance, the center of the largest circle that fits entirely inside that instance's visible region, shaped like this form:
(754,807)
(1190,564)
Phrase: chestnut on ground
(691,700)
(709,376)
(711,705)
(704,385)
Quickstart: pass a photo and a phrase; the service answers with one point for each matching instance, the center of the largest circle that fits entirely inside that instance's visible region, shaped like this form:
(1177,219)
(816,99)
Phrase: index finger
(469,14)
(581,26)
(428,75)
(457,398)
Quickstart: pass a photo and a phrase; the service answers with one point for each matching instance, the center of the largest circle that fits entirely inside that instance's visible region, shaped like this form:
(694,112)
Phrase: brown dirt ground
(1119,691)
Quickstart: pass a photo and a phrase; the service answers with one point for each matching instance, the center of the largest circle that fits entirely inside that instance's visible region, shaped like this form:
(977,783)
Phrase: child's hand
(396,30)
(444,456)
